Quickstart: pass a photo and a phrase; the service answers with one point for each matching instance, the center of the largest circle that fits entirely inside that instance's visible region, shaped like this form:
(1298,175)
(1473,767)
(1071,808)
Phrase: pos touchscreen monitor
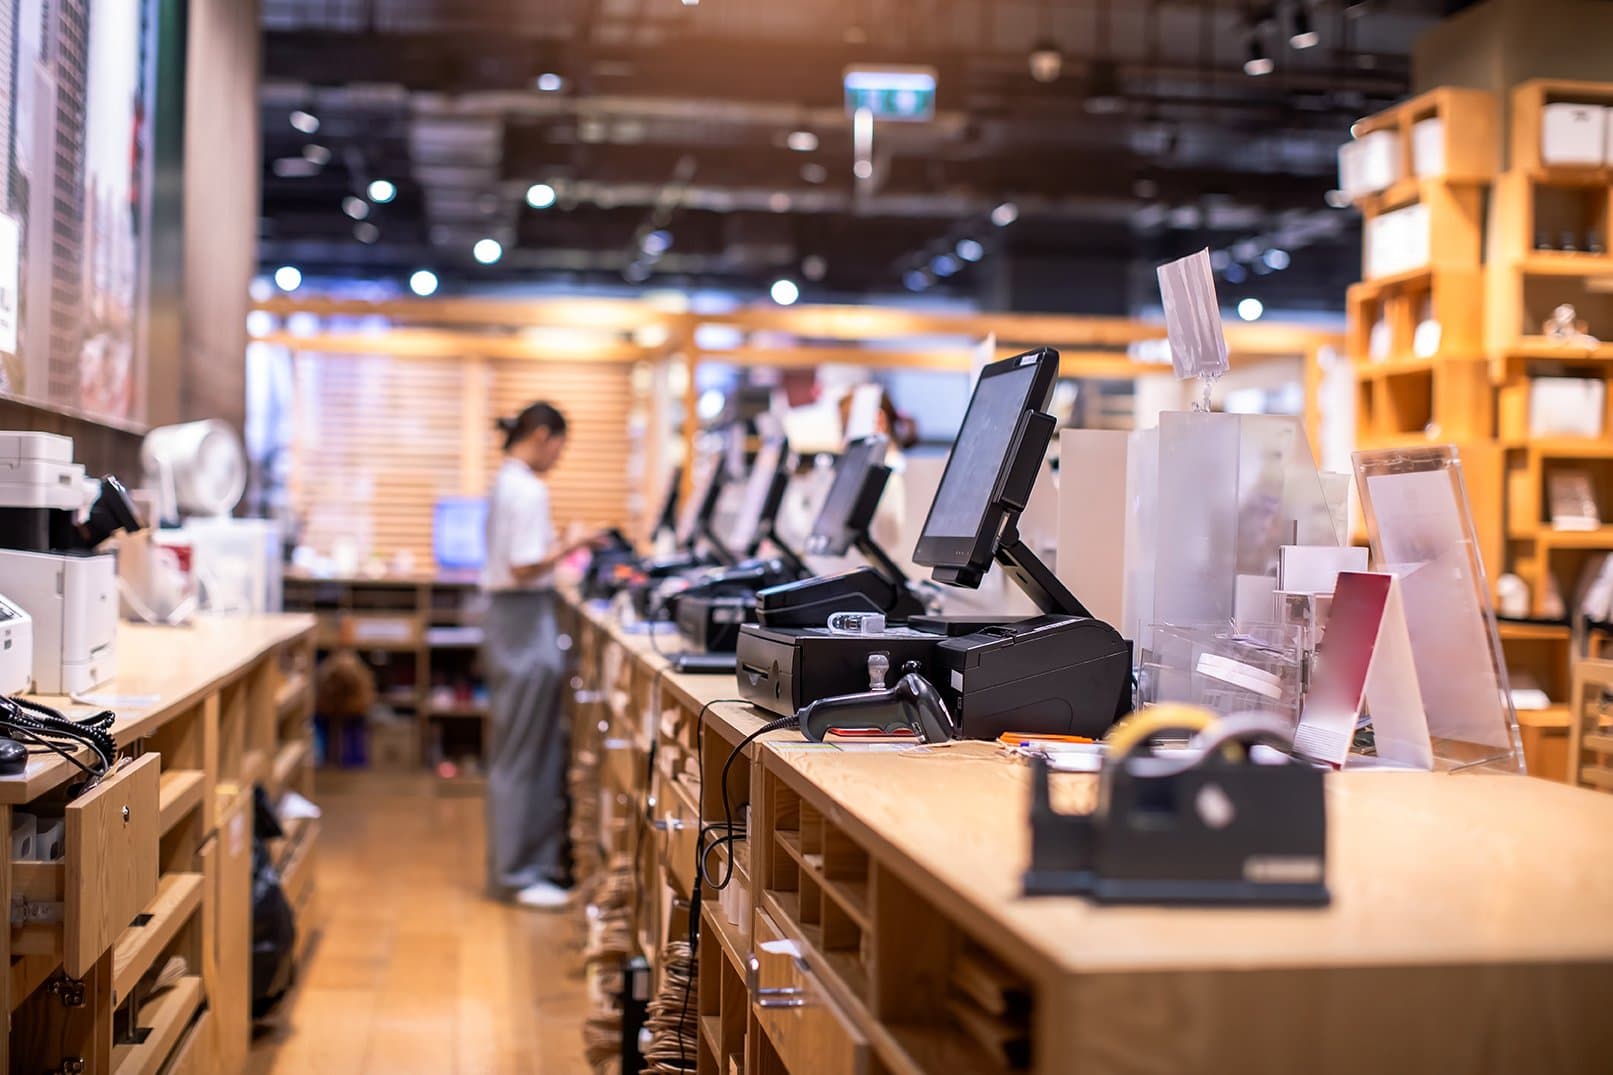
(764,490)
(854,491)
(988,480)
(695,517)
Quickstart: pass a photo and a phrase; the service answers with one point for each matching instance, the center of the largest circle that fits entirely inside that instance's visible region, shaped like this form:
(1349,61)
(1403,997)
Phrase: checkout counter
(860,906)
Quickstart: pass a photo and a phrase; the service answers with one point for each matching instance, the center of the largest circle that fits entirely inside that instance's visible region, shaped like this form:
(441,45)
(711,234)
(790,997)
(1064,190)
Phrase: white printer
(51,521)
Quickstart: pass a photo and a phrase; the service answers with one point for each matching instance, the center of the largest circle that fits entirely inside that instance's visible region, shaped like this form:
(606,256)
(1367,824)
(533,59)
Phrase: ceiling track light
(1304,35)
(1258,63)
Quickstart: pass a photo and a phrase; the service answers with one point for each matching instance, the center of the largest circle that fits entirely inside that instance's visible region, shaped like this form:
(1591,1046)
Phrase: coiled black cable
(33,722)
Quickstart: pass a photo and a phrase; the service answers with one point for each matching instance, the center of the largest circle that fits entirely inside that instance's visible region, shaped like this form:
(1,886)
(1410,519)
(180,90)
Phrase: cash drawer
(77,907)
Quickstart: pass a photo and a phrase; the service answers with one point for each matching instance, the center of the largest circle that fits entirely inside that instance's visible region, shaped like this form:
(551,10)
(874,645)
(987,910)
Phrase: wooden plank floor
(415,971)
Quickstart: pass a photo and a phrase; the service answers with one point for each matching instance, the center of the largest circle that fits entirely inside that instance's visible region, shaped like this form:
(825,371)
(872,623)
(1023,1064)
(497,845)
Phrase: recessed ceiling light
(1005,214)
(487,251)
(423,282)
(801,141)
(288,278)
(1251,309)
(382,191)
(549,82)
(355,207)
(784,291)
(306,122)
(316,154)
(540,195)
(970,249)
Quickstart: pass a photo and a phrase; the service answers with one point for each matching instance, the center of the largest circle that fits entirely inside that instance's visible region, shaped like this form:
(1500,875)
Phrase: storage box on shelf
(1437,151)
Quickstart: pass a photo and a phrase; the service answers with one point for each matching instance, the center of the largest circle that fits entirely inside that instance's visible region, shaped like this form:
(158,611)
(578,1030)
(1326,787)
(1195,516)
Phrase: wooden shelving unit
(1415,337)
(420,636)
(155,881)
(1548,245)
(1546,242)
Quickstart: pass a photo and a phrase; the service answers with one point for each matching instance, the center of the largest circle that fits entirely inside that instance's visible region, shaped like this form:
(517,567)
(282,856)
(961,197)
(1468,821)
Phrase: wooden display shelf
(1514,631)
(167,1015)
(178,897)
(288,761)
(1546,536)
(293,693)
(1545,263)
(1528,103)
(179,792)
(468,712)
(1542,348)
(1471,148)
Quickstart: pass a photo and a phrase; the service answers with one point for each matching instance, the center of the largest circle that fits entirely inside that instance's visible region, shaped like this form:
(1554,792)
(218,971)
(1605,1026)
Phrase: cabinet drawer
(811,1035)
(678,820)
(76,909)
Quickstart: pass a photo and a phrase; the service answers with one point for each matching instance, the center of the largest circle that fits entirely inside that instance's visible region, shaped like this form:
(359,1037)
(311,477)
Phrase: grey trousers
(529,744)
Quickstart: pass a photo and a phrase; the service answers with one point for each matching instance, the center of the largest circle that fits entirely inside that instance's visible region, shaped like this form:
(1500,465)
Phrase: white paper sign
(1193,316)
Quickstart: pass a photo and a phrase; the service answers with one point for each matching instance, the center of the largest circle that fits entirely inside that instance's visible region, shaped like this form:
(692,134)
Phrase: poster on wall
(77,86)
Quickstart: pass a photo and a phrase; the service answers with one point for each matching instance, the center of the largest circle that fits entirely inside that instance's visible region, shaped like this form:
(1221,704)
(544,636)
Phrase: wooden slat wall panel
(380,439)
(596,483)
(377,443)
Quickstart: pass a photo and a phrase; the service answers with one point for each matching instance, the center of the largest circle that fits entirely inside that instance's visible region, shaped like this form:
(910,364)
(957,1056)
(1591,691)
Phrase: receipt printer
(1049,675)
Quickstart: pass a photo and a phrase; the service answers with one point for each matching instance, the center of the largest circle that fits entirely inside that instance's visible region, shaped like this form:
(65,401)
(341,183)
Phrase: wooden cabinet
(131,953)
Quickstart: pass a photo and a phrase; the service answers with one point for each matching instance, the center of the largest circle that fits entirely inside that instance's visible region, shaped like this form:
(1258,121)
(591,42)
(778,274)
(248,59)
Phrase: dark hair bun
(506,425)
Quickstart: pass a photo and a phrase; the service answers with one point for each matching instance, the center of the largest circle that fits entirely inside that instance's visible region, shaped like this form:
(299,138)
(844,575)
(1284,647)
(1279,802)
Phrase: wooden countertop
(176,666)
(1425,868)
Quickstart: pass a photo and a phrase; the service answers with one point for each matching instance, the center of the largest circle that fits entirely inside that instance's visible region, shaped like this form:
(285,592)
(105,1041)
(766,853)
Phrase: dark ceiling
(674,117)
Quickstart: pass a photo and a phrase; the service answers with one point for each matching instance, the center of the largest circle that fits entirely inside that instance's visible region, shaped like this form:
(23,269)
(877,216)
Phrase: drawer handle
(772,998)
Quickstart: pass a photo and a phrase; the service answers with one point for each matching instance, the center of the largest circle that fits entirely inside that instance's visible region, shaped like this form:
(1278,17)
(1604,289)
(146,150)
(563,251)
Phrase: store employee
(526,791)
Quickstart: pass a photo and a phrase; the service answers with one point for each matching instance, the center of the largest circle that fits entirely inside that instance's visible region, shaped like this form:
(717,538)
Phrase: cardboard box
(394,746)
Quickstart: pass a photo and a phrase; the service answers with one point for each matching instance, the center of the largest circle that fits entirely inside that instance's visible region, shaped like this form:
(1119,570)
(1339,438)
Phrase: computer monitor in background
(667,518)
(694,520)
(848,508)
(459,533)
(764,490)
(988,480)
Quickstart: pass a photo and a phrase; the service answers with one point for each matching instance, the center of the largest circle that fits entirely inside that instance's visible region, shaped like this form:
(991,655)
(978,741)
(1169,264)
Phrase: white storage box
(1566,406)
(1369,164)
(1397,241)
(1428,147)
(1573,133)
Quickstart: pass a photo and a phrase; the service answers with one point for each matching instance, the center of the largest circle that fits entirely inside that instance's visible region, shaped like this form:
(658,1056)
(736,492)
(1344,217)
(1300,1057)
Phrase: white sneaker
(544,896)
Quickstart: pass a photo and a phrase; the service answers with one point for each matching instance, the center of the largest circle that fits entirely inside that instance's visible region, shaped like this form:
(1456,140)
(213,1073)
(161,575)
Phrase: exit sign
(904,94)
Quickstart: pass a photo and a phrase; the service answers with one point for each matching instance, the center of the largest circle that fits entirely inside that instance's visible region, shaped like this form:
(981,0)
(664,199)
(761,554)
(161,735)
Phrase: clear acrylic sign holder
(1421,529)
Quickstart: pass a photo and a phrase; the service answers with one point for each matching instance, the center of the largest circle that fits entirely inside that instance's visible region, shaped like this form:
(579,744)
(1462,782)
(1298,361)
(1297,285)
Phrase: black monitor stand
(1036,579)
(791,558)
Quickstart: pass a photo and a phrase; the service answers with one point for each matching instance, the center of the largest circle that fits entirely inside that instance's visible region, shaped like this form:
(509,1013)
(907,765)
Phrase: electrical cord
(701,851)
(48,727)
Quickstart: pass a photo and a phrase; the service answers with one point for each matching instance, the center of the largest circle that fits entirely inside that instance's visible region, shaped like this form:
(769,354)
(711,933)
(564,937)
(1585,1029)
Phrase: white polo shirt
(520,530)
